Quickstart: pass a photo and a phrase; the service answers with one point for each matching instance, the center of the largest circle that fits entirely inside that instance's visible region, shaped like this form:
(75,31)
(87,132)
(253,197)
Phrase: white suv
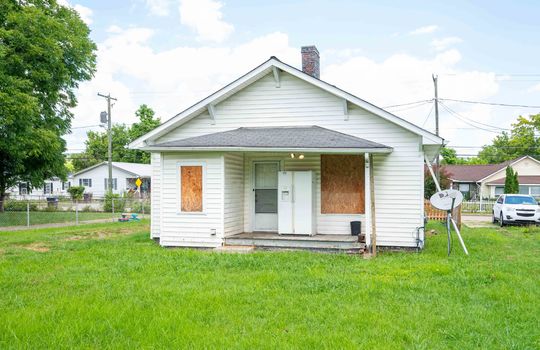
(516,208)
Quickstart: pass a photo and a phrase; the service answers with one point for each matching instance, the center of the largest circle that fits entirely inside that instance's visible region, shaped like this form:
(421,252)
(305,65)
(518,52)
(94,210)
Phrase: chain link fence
(53,211)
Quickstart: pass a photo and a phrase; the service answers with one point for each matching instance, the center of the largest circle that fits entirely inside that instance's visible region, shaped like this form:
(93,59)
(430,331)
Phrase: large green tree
(45,51)
(523,139)
(96,150)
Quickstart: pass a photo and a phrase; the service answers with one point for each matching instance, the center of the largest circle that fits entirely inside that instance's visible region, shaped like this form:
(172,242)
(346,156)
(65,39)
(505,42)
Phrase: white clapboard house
(280,158)
(95,178)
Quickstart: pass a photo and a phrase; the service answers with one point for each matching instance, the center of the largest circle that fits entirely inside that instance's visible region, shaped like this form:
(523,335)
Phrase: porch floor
(272,240)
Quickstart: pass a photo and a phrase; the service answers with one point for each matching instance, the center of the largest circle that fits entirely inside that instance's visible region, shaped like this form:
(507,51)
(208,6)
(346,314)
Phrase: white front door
(265,184)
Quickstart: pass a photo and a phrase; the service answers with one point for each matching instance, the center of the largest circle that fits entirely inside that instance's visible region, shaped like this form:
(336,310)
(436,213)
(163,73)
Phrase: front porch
(319,242)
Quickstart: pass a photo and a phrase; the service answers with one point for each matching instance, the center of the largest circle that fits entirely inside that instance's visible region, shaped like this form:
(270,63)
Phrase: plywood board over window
(191,188)
(342,184)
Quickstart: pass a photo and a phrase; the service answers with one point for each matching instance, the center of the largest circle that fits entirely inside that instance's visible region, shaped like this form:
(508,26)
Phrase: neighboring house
(221,169)
(95,178)
(487,181)
(53,187)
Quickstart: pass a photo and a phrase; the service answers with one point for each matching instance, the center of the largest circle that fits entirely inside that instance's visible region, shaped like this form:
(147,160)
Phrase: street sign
(138,182)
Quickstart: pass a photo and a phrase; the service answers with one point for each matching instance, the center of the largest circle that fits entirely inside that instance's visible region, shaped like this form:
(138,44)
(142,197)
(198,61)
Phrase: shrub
(88,209)
(119,202)
(76,192)
(15,205)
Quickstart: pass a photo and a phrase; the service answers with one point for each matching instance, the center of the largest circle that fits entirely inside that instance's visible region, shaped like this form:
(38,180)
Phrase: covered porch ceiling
(273,139)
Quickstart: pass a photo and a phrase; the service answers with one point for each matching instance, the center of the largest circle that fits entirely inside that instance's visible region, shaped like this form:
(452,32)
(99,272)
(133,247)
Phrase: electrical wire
(489,103)
(429,114)
(470,122)
(408,103)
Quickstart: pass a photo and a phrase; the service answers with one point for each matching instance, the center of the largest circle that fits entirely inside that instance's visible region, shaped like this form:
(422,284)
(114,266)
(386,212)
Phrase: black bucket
(355,228)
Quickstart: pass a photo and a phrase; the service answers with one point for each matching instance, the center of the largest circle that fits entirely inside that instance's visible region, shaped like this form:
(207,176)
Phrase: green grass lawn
(18,218)
(110,286)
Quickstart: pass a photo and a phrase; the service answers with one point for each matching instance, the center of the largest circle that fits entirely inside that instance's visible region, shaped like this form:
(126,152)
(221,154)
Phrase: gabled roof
(476,173)
(290,138)
(136,169)
(275,65)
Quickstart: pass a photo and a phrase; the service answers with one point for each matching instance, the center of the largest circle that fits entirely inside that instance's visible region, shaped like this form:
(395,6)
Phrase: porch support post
(372,206)
(367,200)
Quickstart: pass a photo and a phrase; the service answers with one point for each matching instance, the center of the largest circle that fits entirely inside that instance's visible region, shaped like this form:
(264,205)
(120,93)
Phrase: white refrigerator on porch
(296,203)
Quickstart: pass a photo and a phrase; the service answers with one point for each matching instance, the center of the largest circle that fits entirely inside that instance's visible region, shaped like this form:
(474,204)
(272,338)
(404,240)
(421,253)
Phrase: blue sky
(169,53)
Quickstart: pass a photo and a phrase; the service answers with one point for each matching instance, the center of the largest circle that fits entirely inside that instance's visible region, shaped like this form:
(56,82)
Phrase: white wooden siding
(98,176)
(233,209)
(398,176)
(191,229)
(155,217)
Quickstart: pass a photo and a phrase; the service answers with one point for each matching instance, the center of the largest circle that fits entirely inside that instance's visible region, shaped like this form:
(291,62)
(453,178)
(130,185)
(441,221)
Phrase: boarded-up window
(191,195)
(342,184)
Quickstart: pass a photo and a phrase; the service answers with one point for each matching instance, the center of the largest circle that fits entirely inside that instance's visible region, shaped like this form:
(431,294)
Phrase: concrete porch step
(267,240)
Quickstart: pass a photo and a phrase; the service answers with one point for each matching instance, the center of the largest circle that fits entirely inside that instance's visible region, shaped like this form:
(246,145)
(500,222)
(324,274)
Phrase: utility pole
(436,101)
(109,135)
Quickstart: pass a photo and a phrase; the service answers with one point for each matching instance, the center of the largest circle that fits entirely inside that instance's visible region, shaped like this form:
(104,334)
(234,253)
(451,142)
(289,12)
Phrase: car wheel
(493,218)
(501,220)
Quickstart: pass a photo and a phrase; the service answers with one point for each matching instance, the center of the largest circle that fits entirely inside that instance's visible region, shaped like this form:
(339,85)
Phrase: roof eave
(382,150)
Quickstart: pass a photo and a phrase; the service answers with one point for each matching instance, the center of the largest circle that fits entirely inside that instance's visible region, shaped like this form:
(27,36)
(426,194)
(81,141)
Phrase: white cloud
(206,19)
(171,80)
(444,43)
(403,78)
(424,30)
(159,7)
(534,88)
(84,12)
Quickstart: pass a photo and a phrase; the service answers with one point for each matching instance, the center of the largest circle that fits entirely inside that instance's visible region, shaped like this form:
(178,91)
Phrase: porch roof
(290,138)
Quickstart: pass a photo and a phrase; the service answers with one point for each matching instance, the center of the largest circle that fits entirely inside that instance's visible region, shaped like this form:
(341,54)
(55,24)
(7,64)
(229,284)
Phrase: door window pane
(265,201)
(266,175)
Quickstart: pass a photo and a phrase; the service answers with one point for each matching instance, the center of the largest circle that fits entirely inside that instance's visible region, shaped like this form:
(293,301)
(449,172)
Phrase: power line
(429,114)
(489,103)
(470,121)
(408,103)
(85,127)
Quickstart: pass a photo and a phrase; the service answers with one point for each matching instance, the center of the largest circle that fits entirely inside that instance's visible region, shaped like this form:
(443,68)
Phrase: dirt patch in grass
(102,234)
(36,247)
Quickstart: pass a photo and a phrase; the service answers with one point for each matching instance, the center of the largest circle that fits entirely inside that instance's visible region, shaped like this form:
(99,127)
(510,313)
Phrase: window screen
(191,195)
(342,184)
(265,201)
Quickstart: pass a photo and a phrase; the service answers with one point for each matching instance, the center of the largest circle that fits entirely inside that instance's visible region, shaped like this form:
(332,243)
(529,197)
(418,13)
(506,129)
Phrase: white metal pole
(432,174)
(76,212)
(459,235)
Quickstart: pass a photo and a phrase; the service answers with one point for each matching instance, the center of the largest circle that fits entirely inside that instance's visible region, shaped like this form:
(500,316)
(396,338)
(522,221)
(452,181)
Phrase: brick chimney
(310,61)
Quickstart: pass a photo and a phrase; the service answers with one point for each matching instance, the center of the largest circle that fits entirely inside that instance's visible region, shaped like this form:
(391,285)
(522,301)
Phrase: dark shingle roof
(301,137)
(472,173)
(523,180)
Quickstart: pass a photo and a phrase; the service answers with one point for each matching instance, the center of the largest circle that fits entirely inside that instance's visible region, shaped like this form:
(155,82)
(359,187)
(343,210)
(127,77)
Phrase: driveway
(477,220)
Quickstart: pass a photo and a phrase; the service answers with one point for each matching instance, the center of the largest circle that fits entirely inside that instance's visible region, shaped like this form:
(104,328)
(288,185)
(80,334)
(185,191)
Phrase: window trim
(81,182)
(179,187)
(106,183)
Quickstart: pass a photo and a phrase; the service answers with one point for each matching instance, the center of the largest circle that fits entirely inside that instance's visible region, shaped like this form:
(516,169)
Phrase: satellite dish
(443,200)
